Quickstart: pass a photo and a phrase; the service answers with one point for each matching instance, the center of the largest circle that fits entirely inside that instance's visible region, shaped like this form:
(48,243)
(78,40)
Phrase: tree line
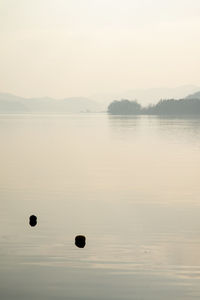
(163,107)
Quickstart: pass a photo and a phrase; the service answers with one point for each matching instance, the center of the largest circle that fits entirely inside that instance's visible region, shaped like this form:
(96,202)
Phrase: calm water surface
(130,184)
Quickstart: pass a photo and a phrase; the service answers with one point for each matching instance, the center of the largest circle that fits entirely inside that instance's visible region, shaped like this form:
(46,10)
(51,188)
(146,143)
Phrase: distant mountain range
(13,104)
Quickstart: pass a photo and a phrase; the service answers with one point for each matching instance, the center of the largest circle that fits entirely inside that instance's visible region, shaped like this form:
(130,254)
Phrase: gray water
(129,184)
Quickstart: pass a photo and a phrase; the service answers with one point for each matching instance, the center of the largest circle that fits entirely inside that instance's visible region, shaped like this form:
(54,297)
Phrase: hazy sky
(83,47)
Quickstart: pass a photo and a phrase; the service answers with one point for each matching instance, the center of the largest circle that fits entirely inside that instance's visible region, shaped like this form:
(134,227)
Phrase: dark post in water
(33,220)
(80,241)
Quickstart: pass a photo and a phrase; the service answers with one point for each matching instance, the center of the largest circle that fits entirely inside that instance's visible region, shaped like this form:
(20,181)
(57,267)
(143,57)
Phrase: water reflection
(185,128)
(131,184)
(182,129)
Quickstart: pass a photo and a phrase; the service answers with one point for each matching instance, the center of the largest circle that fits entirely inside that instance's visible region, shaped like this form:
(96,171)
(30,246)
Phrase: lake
(130,184)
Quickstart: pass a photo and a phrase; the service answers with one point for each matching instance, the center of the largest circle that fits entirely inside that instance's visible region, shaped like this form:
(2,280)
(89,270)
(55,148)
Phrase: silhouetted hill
(13,104)
(163,107)
(175,107)
(124,107)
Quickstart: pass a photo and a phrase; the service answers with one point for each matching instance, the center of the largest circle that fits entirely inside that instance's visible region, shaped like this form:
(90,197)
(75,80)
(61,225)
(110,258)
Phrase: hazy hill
(148,96)
(194,96)
(13,104)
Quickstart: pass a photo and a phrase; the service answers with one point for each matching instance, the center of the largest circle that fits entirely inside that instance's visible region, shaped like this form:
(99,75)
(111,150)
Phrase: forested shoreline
(163,107)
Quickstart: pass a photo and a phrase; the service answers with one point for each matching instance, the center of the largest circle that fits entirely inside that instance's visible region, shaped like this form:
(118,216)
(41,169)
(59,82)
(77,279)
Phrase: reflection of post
(80,241)
(33,220)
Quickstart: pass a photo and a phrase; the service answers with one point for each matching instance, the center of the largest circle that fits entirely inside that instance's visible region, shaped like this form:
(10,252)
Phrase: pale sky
(64,48)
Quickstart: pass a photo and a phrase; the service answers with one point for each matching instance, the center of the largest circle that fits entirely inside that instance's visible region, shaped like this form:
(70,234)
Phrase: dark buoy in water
(80,241)
(33,220)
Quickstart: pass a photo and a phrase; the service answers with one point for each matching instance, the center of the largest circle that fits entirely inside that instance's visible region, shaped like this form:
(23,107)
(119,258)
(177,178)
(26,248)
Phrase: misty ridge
(14,104)
(187,106)
(190,105)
